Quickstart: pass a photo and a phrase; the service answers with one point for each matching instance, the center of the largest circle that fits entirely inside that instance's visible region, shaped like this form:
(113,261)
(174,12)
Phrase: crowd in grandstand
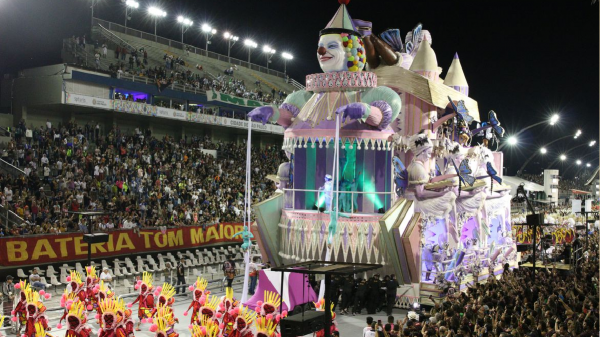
(140,180)
(564,184)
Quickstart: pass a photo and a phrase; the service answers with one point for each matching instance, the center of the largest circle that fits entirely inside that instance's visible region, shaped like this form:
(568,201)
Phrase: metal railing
(296,84)
(175,44)
(342,196)
(9,218)
(11,169)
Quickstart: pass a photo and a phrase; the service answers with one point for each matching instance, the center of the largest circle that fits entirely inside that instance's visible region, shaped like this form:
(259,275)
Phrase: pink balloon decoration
(153,328)
(42,292)
(129,305)
(18,286)
(59,326)
(185,313)
(191,288)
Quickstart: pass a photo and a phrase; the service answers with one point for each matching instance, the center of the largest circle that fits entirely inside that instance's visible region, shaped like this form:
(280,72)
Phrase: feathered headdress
(245,318)
(40,331)
(25,288)
(265,327)
(104,292)
(207,328)
(109,308)
(210,306)
(77,315)
(166,294)
(271,303)
(91,273)
(199,288)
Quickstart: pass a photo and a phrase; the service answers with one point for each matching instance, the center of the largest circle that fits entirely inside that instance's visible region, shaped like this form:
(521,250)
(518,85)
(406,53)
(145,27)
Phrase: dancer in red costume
(91,288)
(111,319)
(199,290)
(19,314)
(103,293)
(145,299)
(76,321)
(35,313)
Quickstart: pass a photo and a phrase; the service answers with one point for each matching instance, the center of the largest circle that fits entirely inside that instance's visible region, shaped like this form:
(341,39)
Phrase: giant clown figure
(343,90)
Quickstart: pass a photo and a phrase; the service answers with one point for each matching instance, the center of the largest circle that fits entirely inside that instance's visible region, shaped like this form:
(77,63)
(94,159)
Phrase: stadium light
(208,33)
(130,6)
(563,157)
(250,45)
(577,134)
(592,143)
(588,165)
(230,37)
(512,140)
(185,25)
(578,162)
(286,56)
(552,121)
(269,52)
(156,13)
(543,150)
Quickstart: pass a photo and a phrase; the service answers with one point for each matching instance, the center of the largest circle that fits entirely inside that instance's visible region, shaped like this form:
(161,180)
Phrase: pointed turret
(425,62)
(455,78)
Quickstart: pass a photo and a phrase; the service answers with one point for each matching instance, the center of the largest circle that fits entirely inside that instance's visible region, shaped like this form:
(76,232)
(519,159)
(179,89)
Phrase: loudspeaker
(523,247)
(535,219)
(95,238)
(300,325)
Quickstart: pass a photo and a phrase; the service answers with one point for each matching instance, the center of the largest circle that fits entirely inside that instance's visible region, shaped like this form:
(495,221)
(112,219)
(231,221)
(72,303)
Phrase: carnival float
(390,162)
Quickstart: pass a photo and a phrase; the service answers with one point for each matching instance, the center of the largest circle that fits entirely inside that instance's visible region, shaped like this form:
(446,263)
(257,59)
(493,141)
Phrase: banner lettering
(23,250)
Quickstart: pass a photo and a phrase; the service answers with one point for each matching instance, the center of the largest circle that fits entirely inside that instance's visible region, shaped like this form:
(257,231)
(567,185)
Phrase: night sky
(523,59)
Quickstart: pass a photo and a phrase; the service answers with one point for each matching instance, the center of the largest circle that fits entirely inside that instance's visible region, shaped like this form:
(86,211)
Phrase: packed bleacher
(554,305)
(564,184)
(143,181)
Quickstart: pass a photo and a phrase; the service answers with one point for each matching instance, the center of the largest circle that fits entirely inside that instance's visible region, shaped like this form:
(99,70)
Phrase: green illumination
(368,186)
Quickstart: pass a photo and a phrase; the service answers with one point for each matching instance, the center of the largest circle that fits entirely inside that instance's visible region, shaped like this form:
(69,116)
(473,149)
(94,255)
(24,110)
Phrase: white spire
(455,78)
(425,60)
(455,75)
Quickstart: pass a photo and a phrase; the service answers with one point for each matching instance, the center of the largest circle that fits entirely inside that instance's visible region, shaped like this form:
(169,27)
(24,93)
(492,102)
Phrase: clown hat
(341,22)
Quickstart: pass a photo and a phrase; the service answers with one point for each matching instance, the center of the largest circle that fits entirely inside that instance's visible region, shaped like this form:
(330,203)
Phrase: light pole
(286,56)
(185,25)
(93,4)
(156,13)
(577,134)
(130,5)
(208,30)
(552,121)
(250,45)
(269,52)
(230,37)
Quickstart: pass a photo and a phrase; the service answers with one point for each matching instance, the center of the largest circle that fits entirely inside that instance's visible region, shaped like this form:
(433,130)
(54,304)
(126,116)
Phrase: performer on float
(36,313)
(76,321)
(265,327)
(199,294)
(111,321)
(247,236)
(19,314)
(128,324)
(145,299)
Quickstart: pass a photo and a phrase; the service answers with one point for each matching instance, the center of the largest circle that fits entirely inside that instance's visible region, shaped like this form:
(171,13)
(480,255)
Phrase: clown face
(331,54)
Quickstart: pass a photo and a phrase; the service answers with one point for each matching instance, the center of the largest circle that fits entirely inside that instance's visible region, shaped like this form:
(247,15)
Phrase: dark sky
(523,59)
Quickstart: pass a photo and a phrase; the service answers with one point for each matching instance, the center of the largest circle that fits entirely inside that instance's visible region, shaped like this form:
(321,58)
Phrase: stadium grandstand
(147,131)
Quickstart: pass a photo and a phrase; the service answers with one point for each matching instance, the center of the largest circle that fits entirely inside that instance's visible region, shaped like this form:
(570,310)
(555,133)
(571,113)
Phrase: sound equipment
(300,325)
(95,238)
(524,247)
(535,219)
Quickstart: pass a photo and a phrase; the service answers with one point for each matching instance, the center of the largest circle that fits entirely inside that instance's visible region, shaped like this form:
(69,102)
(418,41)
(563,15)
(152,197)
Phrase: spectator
(181,276)
(104,50)
(97,60)
(8,295)
(35,280)
(253,269)
(106,277)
